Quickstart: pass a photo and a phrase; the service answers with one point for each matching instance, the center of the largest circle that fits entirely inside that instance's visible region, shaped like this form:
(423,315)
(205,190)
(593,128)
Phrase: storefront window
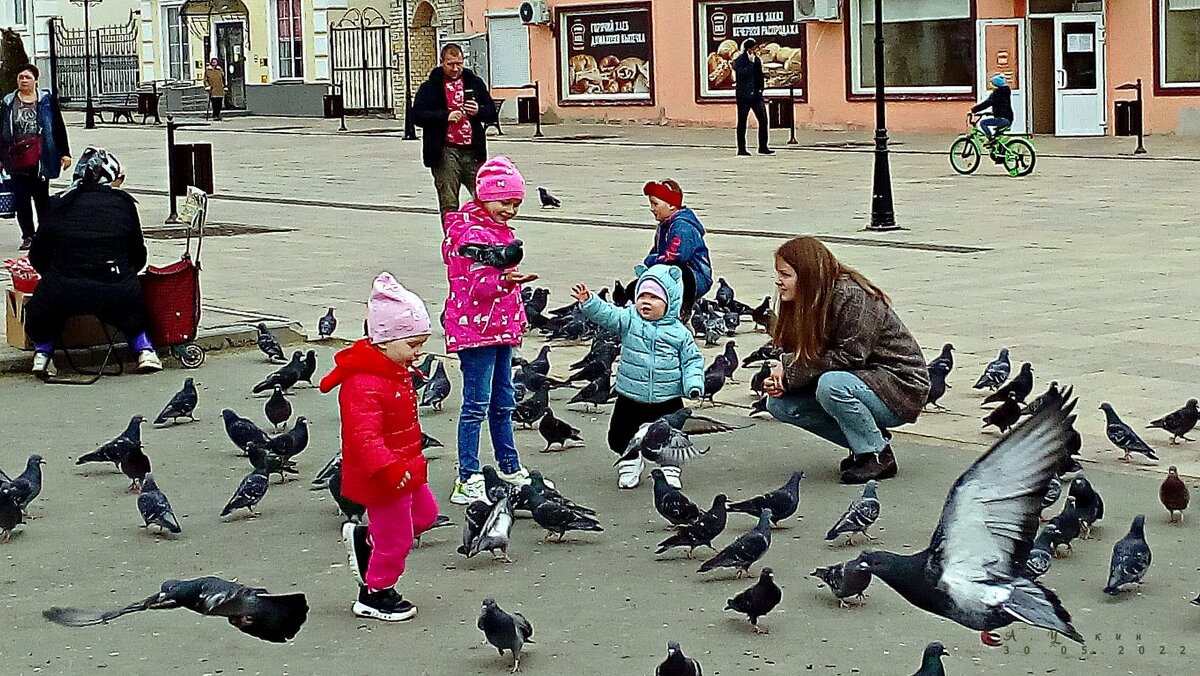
(605,55)
(178,67)
(723,26)
(21,13)
(929,46)
(290,37)
(1179,33)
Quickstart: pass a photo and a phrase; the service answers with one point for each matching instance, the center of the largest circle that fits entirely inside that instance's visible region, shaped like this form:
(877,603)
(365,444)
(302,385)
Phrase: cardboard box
(82,331)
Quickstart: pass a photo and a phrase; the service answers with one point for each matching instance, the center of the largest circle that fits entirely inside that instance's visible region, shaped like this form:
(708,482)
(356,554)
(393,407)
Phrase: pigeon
(732,320)
(242,431)
(476,514)
(1173,493)
(270,617)
(27,485)
(620,295)
(758,406)
(437,389)
(945,360)
(1123,437)
(308,368)
(278,409)
(505,631)
(290,444)
(557,518)
(181,405)
(534,381)
(326,325)
(931,660)
(969,573)
(493,535)
(1179,422)
(1053,493)
(495,488)
(538,298)
(545,489)
(758,600)
(285,378)
(595,393)
(155,508)
(249,492)
(541,363)
(662,443)
(678,664)
(603,350)
(10,513)
(1130,558)
(1038,562)
(731,358)
(548,201)
(136,465)
(845,580)
(1019,387)
(422,372)
(701,532)
(351,509)
(724,292)
(714,329)
(768,352)
(589,371)
(859,516)
(500,257)
(269,346)
(714,379)
(996,372)
(937,386)
(531,409)
(760,378)
(1005,415)
(114,450)
(782,502)
(763,315)
(1067,526)
(685,420)
(556,431)
(1037,404)
(671,503)
(745,550)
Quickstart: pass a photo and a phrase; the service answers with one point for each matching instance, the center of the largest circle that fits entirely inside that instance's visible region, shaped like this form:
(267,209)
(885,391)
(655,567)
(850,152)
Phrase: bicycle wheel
(1019,157)
(964,155)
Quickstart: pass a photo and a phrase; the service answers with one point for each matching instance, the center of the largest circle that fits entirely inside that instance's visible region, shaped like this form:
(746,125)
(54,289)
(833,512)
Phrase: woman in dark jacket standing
(33,147)
(748,75)
(851,370)
(89,253)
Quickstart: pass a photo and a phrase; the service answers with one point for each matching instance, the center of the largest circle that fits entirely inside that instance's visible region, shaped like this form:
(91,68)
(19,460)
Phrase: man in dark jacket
(748,72)
(452,107)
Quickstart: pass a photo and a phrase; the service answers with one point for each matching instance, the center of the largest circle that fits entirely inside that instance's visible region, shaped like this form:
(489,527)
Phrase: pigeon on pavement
(182,405)
(540,485)
(1123,437)
(136,465)
(548,201)
(505,631)
(763,315)
(595,393)
(1179,422)
(701,532)
(758,600)
(308,368)
(678,664)
(495,488)
(759,378)
(351,509)
(725,293)
(671,503)
(1173,493)
(501,257)
(768,352)
(269,346)
(714,379)
(555,517)
(277,409)
(541,363)
(531,410)
(758,406)
(1130,558)
(290,444)
(556,431)
(969,573)
(242,431)
(437,388)
(945,360)
(1005,415)
(155,508)
(1067,525)
(27,485)
(1053,493)
(10,512)
(1020,386)
(845,580)
(782,502)
(745,550)
(937,386)
(731,358)
(114,450)
(476,514)
(326,325)
(285,377)
(1037,404)
(249,492)
(996,372)
(493,535)
(931,660)
(262,458)
(859,516)
(1041,555)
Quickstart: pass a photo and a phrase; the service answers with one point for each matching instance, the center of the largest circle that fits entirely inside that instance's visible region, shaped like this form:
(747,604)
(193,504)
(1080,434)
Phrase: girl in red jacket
(382,464)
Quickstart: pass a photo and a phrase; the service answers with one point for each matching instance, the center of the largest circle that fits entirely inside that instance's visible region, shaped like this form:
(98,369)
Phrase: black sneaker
(386,605)
(358,550)
(765,151)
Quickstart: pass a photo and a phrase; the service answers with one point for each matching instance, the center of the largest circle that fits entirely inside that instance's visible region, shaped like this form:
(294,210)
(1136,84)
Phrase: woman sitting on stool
(851,370)
(89,253)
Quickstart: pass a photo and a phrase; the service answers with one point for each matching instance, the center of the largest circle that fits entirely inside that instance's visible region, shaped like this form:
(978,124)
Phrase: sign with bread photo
(722,28)
(605,55)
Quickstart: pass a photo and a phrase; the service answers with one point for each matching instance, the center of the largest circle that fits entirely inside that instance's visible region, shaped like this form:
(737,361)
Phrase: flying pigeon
(701,532)
(687,421)
(1005,415)
(782,502)
(1019,387)
(758,600)
(27,485)
(1173,493)
(242,431)
(1037,404)
(944,360)
(1066,526)
(249,492)
(437,389)
(476,514)
(270,617)
(1123,437)
(996,372)
(1179,422)
(859,516)
(557,518)
(505,631)
(548,201)
(678,664)
(118,447)
(660,442)
(845,580)
(745,550)
(556,431)
(1130,558)
(937,386)
(181,405)
(270,346)
(1041,556)
(493,535)
(671,503)
(277,409)
(155,508)
(285,377)
(931,660)
(326,325)
(970,571)
(500,257)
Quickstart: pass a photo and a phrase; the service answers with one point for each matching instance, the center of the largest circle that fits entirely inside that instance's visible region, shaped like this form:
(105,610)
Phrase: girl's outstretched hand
(580,293)
(520,278)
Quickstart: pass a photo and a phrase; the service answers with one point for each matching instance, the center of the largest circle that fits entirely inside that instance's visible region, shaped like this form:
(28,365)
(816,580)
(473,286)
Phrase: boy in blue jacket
(679,240)
(660,363)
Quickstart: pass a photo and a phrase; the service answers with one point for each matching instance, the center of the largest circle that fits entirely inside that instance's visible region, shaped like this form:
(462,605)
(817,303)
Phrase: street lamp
(410,128)
(90,115)
(883,214)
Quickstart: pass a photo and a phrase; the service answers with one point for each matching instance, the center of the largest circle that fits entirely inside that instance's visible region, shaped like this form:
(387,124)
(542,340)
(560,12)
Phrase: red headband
(663,192)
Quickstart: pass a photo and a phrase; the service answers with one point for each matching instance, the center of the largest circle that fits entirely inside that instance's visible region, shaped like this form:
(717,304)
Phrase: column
(150,68)
(325,12)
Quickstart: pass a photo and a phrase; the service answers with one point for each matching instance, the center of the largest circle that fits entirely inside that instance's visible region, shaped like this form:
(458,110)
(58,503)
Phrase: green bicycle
(1015,153)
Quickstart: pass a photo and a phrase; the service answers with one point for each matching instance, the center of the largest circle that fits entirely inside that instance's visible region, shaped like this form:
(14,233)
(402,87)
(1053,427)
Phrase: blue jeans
(487,393)
(843,410)
(991,124)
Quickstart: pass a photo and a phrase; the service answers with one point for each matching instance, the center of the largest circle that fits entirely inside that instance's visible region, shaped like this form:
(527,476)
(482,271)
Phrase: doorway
(1068,92)
(229,48)
(1001,49)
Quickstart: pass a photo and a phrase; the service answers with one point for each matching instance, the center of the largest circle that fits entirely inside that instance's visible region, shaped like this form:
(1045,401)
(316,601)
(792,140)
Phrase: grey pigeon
(545,488)
(557,432)
(321,480)
(548,201)
(269,346)
(701,532)
(476,514)
(1019,387)
(249,492)
(714,379)
(732,320)
(1088,502)
(782,502)
(556,518)
(937,386)
(495,256)
(495,488)
(1040,401)
(678,664)
(1041,556)
(595,393)
(182,405)
(114,450)
(1179,422)
(661,443)
(768,352)
(845,580)
(970,572)
(277,409)
(1130,558)
(242,431)
(10,512)
(1123,437)
(1005,415)
(262,458)
(505,631)
(326,325)
(758,406)
(531,409)
(725,293)
(1053,493)
(285,377)
(996,372)
(437,389)
(945,360)
(28,484)
(763,315)
(589,371)
(714,329)
(493,536)
(745,550)
(758,600)
(671,503)
(155,508)
(422,372)
(1066,526)
(931,660)
(731,359)
(859,516)
(541,363)
(290,444)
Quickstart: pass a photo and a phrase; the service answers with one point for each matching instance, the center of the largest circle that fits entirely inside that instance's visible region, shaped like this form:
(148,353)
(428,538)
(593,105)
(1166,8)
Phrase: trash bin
(779,113)
(1129,118)
(191,164)
(333,106)
(527,110)
(148,104)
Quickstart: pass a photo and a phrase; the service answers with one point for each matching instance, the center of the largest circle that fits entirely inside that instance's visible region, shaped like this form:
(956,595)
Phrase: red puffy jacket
(381,436)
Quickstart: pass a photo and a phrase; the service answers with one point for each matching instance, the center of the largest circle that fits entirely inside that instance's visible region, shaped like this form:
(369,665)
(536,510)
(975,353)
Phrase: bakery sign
(605,54)
(722,26)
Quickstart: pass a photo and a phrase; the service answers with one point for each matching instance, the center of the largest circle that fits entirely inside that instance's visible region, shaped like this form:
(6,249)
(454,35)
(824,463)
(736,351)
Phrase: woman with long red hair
(851,370)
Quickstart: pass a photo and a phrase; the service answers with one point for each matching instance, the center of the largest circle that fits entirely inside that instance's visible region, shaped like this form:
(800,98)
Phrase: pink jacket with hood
(483,309)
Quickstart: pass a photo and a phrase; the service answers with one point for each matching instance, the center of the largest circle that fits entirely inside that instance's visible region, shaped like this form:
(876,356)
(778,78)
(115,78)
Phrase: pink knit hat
(394,312)
(499,180)
(653,287)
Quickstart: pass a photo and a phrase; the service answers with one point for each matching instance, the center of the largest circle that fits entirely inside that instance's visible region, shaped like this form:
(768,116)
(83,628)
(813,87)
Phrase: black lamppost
(89,121)
(883,214)
(410,129)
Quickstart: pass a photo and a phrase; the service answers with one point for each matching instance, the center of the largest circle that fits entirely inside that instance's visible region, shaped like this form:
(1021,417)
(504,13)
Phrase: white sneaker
(629,472)
(466,492)
(43,365)
(519,477)
(148,362)
(671,475)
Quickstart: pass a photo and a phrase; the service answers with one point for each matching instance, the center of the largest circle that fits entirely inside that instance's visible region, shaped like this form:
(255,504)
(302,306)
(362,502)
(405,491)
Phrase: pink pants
(393,527)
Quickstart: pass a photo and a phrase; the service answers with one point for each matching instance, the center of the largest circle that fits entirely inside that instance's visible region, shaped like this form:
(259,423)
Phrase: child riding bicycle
(1000,101)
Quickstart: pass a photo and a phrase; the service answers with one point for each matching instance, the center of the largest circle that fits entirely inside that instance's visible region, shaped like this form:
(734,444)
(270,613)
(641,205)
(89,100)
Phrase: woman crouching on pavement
(851,370)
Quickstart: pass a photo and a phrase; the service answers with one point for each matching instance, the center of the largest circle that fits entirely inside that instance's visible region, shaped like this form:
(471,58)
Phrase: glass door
(1079,92)
(1001,49)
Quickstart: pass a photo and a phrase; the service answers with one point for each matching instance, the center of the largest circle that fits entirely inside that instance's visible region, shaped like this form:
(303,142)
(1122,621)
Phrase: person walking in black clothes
(748,72)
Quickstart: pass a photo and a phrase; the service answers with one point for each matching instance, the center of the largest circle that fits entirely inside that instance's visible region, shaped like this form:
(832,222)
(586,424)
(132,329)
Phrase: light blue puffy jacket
(659,359)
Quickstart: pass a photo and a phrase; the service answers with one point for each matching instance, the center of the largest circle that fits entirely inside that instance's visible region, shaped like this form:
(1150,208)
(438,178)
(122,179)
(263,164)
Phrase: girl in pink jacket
(484,319)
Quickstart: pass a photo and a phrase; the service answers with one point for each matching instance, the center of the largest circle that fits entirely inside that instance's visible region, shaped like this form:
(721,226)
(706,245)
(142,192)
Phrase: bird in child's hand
(501,257)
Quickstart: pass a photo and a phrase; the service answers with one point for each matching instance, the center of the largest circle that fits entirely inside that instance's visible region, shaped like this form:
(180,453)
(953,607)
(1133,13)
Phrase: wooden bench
(119,104)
